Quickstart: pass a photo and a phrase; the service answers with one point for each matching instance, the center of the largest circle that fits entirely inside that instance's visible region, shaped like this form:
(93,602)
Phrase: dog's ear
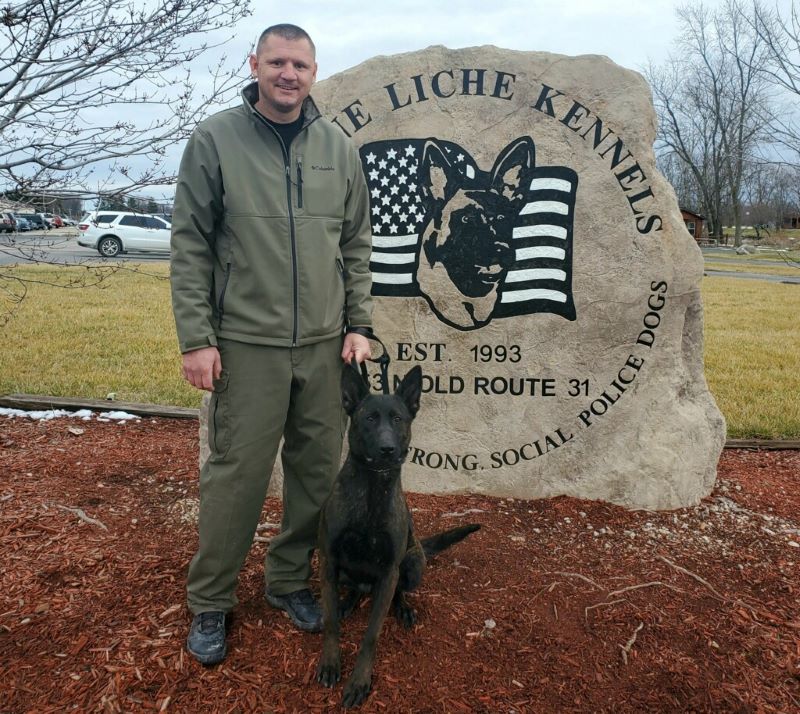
(410,389)
(354,389)
(512,168)
(438,177)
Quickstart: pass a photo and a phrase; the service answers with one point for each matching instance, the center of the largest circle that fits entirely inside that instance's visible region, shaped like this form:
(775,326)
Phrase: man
(270,260)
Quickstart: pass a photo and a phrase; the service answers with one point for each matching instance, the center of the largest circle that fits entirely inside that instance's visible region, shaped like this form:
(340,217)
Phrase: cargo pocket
(340,270)
(344,420)
(219,417)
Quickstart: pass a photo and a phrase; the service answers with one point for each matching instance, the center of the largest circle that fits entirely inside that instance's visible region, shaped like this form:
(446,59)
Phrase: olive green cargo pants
(265,393)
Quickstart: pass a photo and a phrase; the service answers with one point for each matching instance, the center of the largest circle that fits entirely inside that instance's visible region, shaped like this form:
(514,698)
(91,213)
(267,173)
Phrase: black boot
(206,640)
(302,608)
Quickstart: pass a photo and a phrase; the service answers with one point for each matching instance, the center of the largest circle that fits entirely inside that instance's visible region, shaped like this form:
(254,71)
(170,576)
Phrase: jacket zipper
(299,182)
(292,237)
(293,243)
(221,305)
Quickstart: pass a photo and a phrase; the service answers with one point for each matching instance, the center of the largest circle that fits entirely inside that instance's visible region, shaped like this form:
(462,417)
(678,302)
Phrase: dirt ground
(555,605)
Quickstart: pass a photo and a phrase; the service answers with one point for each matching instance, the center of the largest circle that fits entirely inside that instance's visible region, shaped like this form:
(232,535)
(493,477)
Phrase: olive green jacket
(268,247)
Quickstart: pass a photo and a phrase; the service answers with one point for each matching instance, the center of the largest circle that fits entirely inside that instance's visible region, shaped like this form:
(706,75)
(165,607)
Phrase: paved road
(717,255)
(60,247)
(770,278)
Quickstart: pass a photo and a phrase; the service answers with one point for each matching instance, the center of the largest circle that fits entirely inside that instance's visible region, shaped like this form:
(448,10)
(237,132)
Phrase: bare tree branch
(84,82)
(713,105)
(781,39)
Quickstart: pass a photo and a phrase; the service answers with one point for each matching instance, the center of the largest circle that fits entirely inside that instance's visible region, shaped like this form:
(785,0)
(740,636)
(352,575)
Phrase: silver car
(115,232)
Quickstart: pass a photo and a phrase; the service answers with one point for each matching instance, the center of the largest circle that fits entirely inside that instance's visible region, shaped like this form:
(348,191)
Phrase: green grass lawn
(783,236)
(767,261)
(752,355)
(89,342)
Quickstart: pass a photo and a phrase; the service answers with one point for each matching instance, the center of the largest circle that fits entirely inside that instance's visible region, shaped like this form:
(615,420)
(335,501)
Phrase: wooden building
(791,221)
(695,223)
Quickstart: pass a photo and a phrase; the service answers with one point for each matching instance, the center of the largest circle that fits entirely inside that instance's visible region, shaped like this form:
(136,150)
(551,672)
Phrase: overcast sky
(347,32)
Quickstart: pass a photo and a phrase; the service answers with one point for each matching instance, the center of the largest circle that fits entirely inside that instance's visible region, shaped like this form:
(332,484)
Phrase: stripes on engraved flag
(541,278)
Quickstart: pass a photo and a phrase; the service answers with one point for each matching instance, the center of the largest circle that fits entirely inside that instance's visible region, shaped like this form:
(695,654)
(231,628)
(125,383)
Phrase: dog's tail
(437,543)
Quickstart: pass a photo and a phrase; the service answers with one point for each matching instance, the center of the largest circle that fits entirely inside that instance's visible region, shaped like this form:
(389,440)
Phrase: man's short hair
(287,32)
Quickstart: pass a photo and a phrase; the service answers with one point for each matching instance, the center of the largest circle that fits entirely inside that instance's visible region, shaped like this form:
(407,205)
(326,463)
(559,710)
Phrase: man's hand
(357,346)
(201,367)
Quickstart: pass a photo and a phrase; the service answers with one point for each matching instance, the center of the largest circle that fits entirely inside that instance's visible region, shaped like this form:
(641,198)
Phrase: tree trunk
(737,224)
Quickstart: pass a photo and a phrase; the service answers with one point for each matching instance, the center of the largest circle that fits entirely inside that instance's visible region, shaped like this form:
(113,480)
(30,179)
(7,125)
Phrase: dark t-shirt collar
(287,131)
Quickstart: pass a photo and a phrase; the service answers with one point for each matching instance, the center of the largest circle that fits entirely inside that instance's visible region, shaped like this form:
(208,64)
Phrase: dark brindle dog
(366,539)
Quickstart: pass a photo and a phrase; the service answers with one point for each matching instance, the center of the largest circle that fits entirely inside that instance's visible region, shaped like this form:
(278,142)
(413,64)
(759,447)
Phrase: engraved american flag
(540,279)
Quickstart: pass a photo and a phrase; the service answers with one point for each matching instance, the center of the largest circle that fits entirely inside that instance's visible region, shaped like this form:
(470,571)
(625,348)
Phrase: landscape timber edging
(29,402)
(34,402)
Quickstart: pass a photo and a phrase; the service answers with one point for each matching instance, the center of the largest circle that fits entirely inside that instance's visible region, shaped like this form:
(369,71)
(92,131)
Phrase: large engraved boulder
(530,257)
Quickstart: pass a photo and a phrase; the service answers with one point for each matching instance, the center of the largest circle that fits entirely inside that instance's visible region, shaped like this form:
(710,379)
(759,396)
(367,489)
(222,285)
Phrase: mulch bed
(556,605)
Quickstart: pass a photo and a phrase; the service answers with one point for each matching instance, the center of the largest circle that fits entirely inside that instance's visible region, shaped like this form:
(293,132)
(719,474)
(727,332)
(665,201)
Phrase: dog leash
(382,360)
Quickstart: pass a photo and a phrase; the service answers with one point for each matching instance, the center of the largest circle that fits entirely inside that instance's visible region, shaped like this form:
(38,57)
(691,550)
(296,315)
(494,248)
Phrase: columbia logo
(323,168)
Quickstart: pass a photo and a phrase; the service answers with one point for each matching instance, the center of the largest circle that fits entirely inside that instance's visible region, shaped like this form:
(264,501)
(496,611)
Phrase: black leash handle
(382,361)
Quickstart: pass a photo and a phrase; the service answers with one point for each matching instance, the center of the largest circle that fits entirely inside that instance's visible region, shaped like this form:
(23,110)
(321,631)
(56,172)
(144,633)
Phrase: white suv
(115,232)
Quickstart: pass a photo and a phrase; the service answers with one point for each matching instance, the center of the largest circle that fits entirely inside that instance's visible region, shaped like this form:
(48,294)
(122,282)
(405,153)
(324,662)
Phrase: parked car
(115,232)
(37,221)
(54,220)
(23,225)
(8,224)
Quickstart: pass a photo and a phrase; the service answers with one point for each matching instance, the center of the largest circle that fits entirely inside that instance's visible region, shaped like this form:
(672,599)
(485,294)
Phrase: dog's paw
(356,692)
(329,672)
(406,615)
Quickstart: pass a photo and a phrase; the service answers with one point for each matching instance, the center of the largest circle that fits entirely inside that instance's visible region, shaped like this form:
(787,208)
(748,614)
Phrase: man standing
(270,261)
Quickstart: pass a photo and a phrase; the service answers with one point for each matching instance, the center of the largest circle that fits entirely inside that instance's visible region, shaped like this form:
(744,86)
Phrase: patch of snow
(85,414)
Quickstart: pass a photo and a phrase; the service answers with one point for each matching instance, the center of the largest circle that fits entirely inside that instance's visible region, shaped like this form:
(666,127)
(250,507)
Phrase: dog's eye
(396,419)
(499,217)
(371,417)
(465,218)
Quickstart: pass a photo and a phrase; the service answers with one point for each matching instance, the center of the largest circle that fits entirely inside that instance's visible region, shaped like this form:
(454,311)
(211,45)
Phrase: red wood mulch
(556,605)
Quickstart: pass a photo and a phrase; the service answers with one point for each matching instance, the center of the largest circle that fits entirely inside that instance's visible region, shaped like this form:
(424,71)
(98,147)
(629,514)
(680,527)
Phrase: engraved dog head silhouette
(466,246)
